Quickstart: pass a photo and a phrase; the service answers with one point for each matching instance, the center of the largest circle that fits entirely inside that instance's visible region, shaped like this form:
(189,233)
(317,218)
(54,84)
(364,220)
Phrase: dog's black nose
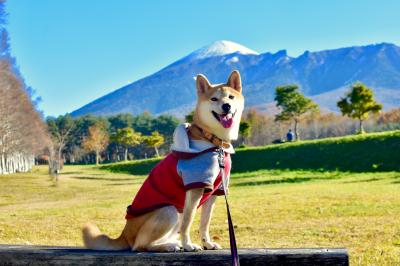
(226,107)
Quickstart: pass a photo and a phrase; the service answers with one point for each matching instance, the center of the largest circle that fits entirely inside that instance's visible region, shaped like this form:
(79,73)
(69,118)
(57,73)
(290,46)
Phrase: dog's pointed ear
(234,81)
(202,84)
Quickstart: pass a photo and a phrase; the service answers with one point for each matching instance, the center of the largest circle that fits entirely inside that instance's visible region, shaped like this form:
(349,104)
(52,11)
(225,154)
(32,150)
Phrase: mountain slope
(322,75)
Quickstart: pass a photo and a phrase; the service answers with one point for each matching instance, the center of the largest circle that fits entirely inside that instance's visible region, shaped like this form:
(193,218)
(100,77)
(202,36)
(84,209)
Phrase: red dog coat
(165,186)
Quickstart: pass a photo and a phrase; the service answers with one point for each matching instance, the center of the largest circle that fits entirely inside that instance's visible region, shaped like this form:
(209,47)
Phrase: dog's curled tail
(94,239)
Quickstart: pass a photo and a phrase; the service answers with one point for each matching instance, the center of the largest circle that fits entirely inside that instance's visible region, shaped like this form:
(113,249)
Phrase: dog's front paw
(191,247)
(208,245)
(179,243)
(172,247)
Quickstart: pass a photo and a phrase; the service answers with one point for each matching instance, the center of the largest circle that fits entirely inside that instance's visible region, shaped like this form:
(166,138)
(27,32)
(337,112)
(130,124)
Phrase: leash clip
(221,158)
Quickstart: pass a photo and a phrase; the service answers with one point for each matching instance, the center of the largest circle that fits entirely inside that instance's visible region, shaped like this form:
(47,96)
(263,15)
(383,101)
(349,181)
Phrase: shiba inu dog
(187,178)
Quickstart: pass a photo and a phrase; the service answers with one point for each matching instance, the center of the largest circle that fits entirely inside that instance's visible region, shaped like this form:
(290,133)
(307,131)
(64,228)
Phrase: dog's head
(219,107)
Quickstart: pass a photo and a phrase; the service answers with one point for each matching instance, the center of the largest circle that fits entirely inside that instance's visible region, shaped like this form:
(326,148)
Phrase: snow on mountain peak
(219,48)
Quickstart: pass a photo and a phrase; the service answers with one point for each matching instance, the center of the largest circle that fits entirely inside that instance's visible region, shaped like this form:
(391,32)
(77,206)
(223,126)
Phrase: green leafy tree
(127,137)
(358,103)
(120,121)
(293,105)
(189,117)
(244,130)
(165,125)
(143,123)
(155,140)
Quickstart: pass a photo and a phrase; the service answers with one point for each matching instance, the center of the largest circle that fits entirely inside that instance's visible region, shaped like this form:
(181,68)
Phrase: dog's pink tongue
(225,121)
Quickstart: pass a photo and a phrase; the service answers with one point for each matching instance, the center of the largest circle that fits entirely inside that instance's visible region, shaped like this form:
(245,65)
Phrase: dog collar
(212,138)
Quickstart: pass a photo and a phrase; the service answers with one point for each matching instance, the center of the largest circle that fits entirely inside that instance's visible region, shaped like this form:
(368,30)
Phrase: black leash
(232,239)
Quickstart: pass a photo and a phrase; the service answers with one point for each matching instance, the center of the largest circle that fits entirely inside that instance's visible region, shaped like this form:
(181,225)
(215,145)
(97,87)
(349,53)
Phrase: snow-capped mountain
(220,48)
(323,75)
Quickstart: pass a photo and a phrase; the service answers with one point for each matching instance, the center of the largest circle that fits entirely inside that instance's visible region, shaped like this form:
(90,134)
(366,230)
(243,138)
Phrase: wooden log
(44,255)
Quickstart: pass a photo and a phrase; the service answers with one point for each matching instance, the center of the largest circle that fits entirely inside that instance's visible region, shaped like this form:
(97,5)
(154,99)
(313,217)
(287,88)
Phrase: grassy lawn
(271,208)
(374,152)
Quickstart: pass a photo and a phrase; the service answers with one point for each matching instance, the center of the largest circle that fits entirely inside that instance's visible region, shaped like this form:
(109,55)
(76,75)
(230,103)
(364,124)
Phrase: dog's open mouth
(226,120)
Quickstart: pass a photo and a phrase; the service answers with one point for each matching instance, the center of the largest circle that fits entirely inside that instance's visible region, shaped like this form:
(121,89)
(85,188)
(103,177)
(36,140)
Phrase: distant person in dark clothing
(290,135)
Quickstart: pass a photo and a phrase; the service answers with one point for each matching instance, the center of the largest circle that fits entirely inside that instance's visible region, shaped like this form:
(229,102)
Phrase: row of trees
(22,131)
(98,140)
(87,139)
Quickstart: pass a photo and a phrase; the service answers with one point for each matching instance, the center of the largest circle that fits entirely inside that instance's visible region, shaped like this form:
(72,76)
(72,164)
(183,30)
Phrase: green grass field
(308,206)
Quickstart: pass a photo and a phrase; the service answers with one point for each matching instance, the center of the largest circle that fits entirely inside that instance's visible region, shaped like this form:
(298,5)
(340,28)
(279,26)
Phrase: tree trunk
(296,130)
(156,149)
(97,157)
(361,127)
(126,154)
(59,158)
(2,170)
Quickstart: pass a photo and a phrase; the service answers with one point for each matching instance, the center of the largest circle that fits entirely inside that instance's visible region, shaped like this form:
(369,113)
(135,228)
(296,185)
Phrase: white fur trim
(182,142)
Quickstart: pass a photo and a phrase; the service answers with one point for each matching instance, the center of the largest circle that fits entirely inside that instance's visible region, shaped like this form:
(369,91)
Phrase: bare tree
(22,132)
(60,130)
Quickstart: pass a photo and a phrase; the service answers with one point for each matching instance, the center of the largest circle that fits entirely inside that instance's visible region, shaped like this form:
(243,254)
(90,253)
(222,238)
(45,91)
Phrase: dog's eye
(214,99)
(231,97)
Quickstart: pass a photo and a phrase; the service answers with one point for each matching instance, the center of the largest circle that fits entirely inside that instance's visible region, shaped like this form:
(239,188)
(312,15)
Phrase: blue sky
(75,51)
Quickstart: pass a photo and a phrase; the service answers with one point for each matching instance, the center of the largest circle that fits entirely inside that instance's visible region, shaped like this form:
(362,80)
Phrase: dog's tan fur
(158,230)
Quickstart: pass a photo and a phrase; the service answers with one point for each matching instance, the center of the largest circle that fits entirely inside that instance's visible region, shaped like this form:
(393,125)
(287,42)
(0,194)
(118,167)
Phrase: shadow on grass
(254,174)
(71,173)
(291,180)
(364,180)
(126,184)
(142,167)
(99,178)
(274,181)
